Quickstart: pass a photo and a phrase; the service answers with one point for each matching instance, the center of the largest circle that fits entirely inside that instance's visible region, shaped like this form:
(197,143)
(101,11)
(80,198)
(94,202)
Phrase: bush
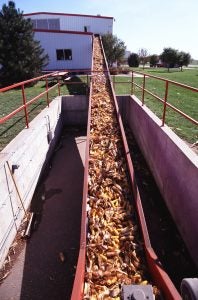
(114,71)
(133,60)
(125,71)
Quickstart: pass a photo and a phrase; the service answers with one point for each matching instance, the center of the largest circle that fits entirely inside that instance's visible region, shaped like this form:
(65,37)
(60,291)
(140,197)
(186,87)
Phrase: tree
(183,59)
(21,57)
(133,60)
(143,55)
(153,60)
(169,57)
(114,48)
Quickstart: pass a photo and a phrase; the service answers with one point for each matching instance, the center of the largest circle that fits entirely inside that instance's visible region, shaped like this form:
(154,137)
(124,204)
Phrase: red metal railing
(162,100)
(56,75)
(78,285)
(26,103)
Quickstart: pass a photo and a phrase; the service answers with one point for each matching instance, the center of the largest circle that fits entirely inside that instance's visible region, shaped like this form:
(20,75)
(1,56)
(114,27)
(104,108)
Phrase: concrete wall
(173,164)
(29,150)
(75,110)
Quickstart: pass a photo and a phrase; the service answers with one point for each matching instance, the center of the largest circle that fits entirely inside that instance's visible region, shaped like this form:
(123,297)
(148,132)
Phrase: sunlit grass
(183,99)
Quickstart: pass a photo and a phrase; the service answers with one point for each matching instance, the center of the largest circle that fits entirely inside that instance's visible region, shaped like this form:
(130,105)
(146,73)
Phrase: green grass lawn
(183,99)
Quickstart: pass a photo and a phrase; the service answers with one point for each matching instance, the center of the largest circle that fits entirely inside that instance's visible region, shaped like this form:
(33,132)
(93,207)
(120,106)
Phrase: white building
(67,38)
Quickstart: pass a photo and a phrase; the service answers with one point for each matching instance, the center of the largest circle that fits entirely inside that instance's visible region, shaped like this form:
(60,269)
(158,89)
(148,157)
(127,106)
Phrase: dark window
(42,24)
(87,28)
(54,24)
(34,24)
(64,54)
(60,54)
(68,54)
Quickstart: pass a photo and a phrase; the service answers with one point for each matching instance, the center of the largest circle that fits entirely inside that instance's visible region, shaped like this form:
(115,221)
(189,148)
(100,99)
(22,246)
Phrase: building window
(64,54)
(54,24)
(34,24)
(42,24)
(50,24)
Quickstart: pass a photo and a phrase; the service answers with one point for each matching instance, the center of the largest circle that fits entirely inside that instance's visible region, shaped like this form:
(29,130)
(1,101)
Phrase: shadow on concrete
(52,251)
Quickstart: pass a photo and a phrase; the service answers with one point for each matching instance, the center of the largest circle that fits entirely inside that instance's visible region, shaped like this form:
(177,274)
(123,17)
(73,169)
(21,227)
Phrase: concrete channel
(45,265)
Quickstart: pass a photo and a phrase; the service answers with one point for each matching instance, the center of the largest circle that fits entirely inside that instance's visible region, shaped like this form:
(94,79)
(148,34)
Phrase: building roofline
(65,14)
(63,31)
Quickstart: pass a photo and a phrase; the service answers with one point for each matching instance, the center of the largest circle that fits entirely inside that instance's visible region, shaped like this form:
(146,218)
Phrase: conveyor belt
(115,242)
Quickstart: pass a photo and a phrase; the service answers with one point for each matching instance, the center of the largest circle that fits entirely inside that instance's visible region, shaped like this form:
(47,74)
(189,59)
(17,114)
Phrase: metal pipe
(29,227)
(77,293)
(59,87)
(47,95)
(55,74)
(25,106)
(165,102)
(13,179)
(170,81)
(11,204)
(143,90)
(132,86)
(7,88)
(14,112)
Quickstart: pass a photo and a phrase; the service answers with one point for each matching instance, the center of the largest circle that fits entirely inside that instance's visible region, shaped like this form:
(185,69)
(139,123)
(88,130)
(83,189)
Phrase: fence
(63,78)
(163,100)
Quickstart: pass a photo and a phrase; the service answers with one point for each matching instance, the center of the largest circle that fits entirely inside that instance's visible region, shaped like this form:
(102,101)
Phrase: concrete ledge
(29,150)
(174,166)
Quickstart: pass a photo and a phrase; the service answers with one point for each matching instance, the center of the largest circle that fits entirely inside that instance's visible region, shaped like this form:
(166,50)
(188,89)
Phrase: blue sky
(150,24)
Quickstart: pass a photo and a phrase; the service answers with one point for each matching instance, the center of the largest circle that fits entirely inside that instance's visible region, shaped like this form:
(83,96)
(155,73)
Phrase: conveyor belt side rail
(159,275)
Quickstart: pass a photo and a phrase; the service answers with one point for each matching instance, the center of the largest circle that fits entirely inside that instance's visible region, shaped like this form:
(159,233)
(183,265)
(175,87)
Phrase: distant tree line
(169,58)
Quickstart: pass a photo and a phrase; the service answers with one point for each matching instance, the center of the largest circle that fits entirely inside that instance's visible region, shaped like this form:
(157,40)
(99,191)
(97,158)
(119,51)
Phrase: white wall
(77,23)
(81,46)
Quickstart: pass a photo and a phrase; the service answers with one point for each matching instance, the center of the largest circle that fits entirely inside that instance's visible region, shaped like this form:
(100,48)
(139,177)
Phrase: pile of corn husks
(114,246)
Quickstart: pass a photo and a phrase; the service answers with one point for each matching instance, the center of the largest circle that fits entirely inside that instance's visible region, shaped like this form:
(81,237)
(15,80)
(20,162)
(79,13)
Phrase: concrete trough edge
(173,164)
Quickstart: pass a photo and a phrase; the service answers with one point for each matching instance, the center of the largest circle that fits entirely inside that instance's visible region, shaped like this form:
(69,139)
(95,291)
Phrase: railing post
(165,102)
(143,89)
(87,80)
(87,87)
(25,106)
(47,91)
(58,86)
(132,86)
